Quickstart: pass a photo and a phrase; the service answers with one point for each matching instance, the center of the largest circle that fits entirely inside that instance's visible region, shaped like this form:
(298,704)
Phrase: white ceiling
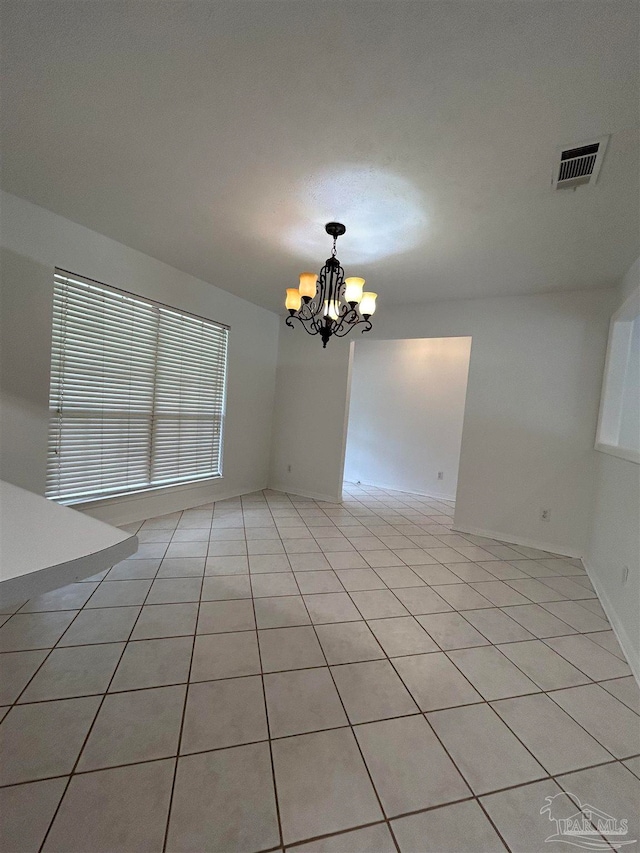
(220,137)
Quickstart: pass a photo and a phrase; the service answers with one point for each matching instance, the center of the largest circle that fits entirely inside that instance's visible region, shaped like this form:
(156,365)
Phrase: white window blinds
(137,393)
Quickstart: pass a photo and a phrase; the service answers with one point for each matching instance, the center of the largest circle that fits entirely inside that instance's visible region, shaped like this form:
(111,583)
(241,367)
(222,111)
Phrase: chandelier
(330,304)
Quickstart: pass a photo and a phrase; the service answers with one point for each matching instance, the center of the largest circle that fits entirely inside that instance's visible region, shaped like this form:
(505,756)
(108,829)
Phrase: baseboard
(517,540)
(406,491)
(128,509)
(303,493)
(618,628)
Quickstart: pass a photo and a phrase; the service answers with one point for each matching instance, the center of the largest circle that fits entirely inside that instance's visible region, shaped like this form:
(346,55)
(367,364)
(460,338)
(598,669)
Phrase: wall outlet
(625,574)
(545,515)
(441,475)
(288,469)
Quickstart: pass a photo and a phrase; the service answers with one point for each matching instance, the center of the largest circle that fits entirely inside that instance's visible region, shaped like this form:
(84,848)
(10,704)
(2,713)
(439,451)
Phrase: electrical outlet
(625,574)
(545,515)
(441,475)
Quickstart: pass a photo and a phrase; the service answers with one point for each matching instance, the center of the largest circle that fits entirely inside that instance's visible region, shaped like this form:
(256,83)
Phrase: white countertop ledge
(44,546)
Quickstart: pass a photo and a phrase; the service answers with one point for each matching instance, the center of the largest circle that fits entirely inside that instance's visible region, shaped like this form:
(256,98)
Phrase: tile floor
(273,673)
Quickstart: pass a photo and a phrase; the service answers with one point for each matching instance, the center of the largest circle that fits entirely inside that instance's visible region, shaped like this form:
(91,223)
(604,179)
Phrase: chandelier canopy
(328,304)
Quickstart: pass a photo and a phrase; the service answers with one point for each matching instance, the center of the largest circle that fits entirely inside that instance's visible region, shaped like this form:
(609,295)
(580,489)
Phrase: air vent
(579,165)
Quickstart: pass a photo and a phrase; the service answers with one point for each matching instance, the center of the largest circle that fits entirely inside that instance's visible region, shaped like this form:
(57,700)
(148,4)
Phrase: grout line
(295,844)
(95,717)
(266,715)
(169,756)
(350,726)
(444,747)
(248,506)
(49,651)
(480,701)
(56,646)
(184,711)
(537,692)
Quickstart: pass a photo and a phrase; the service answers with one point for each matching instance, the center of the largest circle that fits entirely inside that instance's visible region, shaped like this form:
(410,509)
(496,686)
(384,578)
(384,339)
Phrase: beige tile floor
(272,672)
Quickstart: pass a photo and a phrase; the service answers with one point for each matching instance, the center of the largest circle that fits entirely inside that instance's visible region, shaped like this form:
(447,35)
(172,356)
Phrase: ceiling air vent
(580,164)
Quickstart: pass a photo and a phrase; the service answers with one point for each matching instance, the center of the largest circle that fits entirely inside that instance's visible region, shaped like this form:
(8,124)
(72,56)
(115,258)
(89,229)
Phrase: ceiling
(221,136)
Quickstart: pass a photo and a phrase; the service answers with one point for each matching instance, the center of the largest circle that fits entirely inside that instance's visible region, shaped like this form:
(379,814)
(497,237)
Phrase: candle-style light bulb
(308,285)
(368,304)
(353,290)
(293,300)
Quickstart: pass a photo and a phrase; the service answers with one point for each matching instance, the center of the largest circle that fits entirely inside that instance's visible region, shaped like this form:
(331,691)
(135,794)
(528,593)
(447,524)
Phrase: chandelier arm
(290,319)
(346,312)
(318,321)
(367,328)
(339,324)
(314,307)
(305,312)
(315,325)
(312,329)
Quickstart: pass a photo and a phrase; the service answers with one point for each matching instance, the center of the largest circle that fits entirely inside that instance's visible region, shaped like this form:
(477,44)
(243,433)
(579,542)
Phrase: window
(137,393)
(619,422)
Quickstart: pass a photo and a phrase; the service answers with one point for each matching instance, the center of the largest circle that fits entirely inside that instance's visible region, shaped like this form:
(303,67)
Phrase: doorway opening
(406,414)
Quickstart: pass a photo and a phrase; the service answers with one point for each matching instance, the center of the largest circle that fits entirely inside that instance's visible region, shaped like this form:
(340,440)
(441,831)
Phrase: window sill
(141,494)
(621,452)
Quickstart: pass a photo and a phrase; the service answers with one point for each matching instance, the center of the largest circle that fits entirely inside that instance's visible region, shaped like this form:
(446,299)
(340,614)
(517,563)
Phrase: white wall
(531,410)
(406,413)
(530,415)
(310,415)
(615,529)
(35,241)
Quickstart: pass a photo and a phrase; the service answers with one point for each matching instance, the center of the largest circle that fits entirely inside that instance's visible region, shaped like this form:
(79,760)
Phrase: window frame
(615,369)
(143,489)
